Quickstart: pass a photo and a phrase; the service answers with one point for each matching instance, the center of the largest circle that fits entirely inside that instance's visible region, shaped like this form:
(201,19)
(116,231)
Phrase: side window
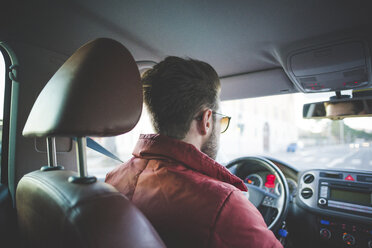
(2,88)
(3,77)
(121,146)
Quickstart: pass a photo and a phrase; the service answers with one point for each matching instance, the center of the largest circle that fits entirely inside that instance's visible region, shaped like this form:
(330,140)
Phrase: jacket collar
(150,145)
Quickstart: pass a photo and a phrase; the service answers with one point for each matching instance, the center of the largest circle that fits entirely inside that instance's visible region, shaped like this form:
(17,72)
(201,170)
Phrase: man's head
(181,96)
(344,108)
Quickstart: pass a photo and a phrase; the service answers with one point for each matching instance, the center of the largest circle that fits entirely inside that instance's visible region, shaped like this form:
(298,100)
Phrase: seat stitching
(42,182)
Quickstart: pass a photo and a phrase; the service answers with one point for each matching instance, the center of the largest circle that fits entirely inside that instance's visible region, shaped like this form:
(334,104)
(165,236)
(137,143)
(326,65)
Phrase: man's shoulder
(171,177)
(124,177)
(188,176)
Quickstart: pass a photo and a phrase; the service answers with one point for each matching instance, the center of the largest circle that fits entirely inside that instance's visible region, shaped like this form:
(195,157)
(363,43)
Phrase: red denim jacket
(191,200)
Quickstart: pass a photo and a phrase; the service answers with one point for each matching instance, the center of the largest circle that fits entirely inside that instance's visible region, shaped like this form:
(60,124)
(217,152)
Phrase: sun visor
(331,67)
(96,92)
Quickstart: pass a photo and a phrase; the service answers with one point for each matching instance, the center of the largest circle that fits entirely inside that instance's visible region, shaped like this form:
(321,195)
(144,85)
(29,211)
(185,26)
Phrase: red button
(349,178)
(270,181)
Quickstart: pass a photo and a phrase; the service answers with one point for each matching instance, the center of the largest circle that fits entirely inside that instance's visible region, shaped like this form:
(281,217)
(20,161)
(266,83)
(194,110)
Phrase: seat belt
(98,148)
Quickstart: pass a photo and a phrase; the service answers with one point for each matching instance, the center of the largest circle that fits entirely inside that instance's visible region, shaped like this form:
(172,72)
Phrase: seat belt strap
(98,148)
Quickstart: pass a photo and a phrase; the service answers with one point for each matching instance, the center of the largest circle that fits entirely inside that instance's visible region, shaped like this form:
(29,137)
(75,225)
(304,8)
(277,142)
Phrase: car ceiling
(236,37)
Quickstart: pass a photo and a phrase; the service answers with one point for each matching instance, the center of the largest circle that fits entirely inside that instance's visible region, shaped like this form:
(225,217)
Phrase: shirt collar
(159,145)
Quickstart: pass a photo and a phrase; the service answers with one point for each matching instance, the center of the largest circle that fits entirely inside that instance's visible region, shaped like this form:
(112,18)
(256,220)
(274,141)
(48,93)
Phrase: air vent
(308,178)
(331,175)
(307,193)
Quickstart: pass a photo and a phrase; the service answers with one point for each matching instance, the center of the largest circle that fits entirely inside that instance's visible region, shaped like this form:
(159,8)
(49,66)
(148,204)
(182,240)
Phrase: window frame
(6,172)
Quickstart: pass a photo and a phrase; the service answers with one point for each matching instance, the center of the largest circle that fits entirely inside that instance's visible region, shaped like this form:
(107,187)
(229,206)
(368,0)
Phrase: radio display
(360,198)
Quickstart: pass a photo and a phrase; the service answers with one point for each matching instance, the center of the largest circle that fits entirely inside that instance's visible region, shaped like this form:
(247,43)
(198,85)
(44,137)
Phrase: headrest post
(81,156)
(52,155)
(82,178)
(52,152)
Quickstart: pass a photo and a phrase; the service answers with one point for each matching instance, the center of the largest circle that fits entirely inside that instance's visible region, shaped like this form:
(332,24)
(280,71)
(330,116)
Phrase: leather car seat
(96,92)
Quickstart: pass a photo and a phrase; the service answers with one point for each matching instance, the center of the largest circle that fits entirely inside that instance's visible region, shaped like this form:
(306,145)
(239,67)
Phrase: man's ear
(206,122)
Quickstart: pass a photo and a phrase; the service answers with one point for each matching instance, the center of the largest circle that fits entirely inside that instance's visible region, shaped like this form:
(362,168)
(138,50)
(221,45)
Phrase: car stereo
(342,201)
(345,195)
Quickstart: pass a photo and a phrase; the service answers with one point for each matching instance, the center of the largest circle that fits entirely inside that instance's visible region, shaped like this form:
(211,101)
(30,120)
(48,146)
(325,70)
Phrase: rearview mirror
(338,109)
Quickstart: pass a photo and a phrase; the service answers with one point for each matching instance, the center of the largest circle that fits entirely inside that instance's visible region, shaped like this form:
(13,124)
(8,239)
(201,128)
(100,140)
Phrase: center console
(342,202)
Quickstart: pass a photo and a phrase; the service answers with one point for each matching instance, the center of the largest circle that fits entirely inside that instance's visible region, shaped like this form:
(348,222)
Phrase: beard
(210,147)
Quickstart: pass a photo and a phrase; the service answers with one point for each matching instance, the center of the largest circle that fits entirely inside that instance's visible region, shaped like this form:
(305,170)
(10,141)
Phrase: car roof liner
(235,38)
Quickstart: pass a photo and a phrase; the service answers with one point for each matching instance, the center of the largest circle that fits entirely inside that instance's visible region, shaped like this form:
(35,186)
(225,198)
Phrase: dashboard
(269,182)
(328,208)
(342,204)
(254,174)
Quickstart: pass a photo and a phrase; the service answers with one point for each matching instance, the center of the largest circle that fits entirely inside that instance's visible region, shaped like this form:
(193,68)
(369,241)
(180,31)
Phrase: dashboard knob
(322,201)
(370,244)
(348,239)
(307,193)
(308,178)
(325,233)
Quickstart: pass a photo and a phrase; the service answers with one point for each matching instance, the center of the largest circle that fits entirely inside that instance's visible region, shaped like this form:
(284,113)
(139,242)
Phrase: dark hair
(175,90)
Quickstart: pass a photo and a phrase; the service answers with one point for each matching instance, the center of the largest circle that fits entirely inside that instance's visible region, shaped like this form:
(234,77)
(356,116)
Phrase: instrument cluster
(269,182)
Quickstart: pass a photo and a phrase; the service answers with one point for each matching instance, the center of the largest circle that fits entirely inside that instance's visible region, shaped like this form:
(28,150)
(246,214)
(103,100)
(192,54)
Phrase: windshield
(268,126)
(273,126)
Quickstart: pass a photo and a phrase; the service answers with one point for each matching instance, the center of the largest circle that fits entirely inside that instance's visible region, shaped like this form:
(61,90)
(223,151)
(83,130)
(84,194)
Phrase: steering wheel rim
(267,164)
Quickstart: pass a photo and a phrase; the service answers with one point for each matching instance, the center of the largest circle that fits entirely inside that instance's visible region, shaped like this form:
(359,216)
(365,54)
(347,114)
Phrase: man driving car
(191,200)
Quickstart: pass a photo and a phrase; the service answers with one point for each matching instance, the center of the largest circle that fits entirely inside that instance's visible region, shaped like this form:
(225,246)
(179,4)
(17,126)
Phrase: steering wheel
(260,197)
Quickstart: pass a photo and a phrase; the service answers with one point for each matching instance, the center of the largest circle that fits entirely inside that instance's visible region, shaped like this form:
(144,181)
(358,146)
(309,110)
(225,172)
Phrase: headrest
(96,92)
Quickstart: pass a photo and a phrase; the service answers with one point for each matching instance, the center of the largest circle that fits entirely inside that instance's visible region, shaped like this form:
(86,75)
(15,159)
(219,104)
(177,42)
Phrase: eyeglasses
(225,121)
